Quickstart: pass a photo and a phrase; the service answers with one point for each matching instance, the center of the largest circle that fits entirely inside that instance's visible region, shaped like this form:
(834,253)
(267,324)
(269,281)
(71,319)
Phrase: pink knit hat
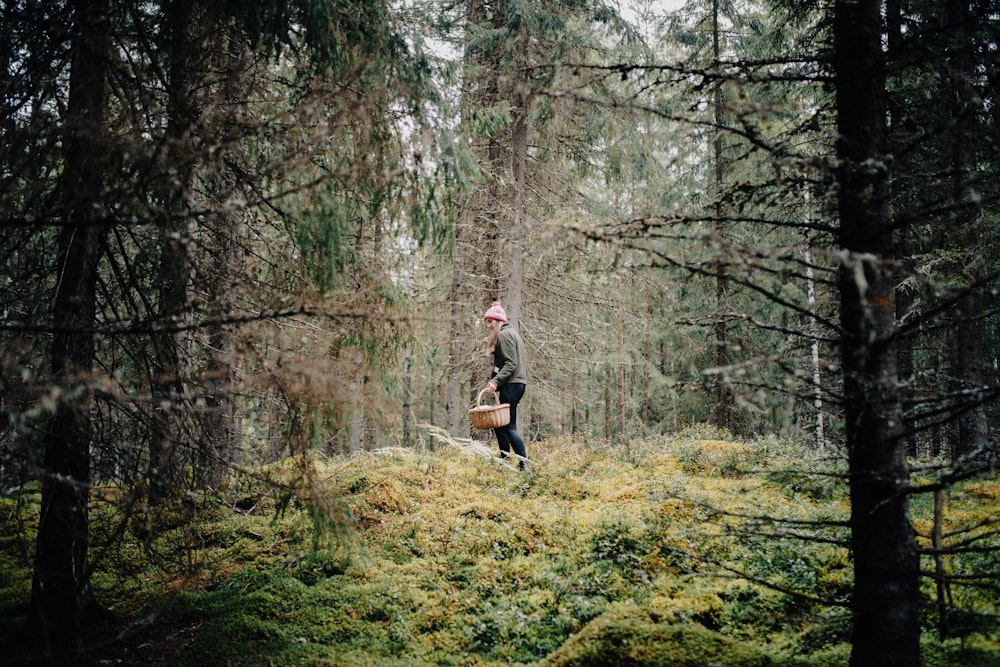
(496,312)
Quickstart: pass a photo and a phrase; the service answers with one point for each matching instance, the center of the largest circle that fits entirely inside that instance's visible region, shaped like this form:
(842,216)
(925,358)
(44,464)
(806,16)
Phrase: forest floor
(664,551)
(143,642)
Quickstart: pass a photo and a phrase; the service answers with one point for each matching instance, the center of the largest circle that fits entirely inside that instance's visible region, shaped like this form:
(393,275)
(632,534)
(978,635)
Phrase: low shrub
(638,637)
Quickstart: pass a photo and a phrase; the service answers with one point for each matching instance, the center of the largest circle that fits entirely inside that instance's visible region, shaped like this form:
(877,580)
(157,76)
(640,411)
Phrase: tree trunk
(941,583)
(721,401)
(221,430)
(621,381)
(817,374)
(969,352)
(574,420)
(969,348)
(606,381)
(356,433)
(186,124)
(939,431)
(60,590)
(901,134)
(456,336)
(647,358)
(518,217)
(906,371)
(478,271)
(886,572)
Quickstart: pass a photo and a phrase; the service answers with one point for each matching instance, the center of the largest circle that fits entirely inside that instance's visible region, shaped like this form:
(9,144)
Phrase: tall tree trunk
(941,582)
(517,223)
(518,204)
(817,374)
(456,336)
(477,270)
(606,381)
(221,430)
(574,421)
(647,357)
(900,134)
(886,572)
(357,420)
(939,431)
(721,402)
(221,433)
(906,370)
(60,589)
(969,349)
(183,135)
(621,380)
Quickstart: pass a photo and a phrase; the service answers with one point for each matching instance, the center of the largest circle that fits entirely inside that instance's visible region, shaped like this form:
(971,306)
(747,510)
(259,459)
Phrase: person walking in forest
(508,377)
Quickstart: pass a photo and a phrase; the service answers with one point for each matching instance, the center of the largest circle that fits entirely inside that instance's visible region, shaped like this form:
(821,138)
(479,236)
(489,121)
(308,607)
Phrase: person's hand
(491,386)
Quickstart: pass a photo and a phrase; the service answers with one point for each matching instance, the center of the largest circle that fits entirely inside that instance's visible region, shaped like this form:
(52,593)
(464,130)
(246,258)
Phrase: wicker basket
(486,417)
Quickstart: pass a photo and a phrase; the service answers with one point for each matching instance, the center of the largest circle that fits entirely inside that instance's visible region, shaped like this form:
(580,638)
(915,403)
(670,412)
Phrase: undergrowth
(690,550)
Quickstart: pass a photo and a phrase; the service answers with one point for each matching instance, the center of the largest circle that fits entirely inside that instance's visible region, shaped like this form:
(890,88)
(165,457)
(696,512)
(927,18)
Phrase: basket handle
(479,398)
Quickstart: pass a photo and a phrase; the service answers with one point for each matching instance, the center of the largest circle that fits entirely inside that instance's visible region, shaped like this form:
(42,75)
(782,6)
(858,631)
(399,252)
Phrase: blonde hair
(491,346)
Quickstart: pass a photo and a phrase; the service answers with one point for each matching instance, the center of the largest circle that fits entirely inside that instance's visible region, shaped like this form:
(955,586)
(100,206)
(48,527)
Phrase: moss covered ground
(667,551)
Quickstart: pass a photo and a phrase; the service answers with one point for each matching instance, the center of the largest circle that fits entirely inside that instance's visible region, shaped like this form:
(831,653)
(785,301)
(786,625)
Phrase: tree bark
(60,588)
(969,347)
(941,583)
(456,336)
(817,374)
(900,134)
(221,431)
(518,217)
(518,204)
(721,409)
(186,124)
(621,381)
(886,573)
(647,359)
(476,278)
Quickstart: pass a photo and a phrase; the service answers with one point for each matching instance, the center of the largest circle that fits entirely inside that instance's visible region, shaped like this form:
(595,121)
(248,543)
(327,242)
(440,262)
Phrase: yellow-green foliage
(636,636)
(715,457)
(650,553)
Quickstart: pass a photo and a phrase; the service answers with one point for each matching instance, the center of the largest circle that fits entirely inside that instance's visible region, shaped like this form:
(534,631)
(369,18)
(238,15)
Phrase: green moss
(975,652)
(15,582)
(605,554)
(835,656)
(638,637)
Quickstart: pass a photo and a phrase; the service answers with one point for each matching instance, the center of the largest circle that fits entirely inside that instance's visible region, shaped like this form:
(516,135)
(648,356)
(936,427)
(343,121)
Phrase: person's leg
(516,442)
(512,393)
(503,441)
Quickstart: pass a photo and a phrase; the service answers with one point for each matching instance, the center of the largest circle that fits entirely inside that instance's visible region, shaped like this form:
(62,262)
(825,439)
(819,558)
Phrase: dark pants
(507,436)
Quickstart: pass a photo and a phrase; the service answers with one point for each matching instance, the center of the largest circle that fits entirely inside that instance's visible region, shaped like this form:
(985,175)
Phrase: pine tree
(886,567)
(60,589)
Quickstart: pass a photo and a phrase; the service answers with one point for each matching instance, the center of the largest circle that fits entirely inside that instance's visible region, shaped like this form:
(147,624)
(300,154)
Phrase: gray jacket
(509,359)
